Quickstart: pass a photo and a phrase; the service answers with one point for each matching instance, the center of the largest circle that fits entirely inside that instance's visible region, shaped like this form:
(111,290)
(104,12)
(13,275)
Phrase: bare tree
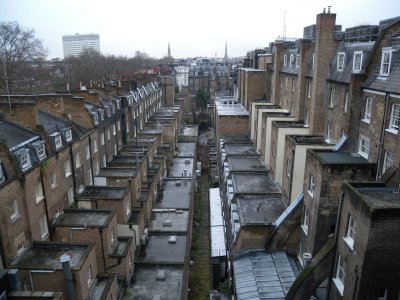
(17,47)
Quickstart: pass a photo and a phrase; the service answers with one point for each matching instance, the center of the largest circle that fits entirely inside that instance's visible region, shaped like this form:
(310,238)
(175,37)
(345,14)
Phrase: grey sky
(194,28)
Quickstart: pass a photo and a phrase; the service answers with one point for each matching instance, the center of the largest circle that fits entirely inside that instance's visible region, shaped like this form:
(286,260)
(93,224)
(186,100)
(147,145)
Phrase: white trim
(394,96)
(374,92)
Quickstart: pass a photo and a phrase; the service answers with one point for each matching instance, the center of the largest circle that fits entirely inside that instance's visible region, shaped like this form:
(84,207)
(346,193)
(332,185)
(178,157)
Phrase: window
(292,85)
(297,60)
(67,168)
(89,275)
(96,167)
(332,97)
(20,248)
(39,192)
(40,149)
(87,150)
(128,208)
(288,167)
(104,160)
(357,61)
(25,160)
(53,180)
(118,125)
(385,62)
(311,185)
(306,119)
(349,238)
(368,109)
(68,135)
(306,219)
(292,59)
(114,129)
(284,60)
(44,231)
(78,160)
(313,60)
(308,90)
(94,145)
(340,278)
(346,101)
(108,134)
(70,195)
(127,127)
(340,61)
(363,147)
(102,138)
(112,236)
(328,131)
(14,211)
(395,118)
(388,161)
(1,173)
(58,141)
(89,177)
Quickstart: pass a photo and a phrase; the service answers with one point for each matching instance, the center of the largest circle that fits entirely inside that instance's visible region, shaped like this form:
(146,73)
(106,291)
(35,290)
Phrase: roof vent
(160,275)
(167,223)
(178,183)
(172,239)
(187,161)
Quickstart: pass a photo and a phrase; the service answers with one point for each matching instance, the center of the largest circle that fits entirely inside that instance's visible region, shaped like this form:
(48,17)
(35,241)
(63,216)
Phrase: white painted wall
(259,123)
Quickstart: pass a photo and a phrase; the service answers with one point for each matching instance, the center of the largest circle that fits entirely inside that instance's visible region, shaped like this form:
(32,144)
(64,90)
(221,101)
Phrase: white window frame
(288,167)
(292,88)
(44,229)
(112,236)
(357,68)
(364,146)
(114,129)
(89,177)
(340,61)
(346,102)
(285,60)
(306,119)
(70,196)
(108,134)
(297,60)
(102,138)
(328,131)
(25,160)
(313,60)
(95,149)
(41,151)
(53,180)
(14,210)
(367,110)
(394,118)
(128,208)
(311,185)
(385,64)
(89,277)
(127,126)
(309,90)
(306,220)
(292,59)
(96,167)
(78,163)
(58,141)
(340,277)
(39,196)
(350,233)
(68,135)
(332,97)
(87,150)
(67,168)
(118,125)
(387,161)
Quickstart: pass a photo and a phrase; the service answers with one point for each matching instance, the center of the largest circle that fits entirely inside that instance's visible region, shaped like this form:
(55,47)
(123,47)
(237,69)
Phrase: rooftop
(289,124)
(245,163)
(101,287)
(236,139)
(186,149)
(240,149)
(103,193)
(169,220)
(189,130)
(308,139)
(217,230)
(331,157)
(46,255)
(148,287)
(176,193)
(254,183)
(126,160)
(13,134)
(259,210)
(179,165)
(121,246)
(117,172)
(376,196)
(84,217)
(261,275)
(160,251)
(233,109)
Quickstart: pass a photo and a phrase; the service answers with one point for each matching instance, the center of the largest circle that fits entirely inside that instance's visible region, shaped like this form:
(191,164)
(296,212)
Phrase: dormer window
(385,62)
(56,138)
(95,118)
(292,59)
(297,60)
(108,111)
(101,114)
(24,159)
(340,61)
(284,60)
(67,134)
(113,108)
(357,61)
(40,149)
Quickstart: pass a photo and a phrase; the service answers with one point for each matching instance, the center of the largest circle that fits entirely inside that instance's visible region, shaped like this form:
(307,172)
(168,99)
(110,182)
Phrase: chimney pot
(329,9)
(323,10)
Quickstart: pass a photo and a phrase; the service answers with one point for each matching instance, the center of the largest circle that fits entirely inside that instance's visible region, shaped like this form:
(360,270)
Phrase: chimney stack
(66,267)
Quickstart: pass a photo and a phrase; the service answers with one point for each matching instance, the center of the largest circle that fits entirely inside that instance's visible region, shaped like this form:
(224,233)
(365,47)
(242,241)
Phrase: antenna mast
(284,25)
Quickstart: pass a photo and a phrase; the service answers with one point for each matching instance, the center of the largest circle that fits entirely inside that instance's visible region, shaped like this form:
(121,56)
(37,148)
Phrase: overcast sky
(194,28)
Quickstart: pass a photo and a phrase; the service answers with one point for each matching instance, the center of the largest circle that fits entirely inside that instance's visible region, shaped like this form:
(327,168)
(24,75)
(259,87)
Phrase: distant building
(73,45)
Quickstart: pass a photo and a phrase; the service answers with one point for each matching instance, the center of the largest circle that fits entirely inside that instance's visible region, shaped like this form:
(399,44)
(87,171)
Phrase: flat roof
(235,109)
(179,165)
(217,230)
(377,196)
(176,193)
(259,210)
(86,217)
(148,287)
(262,275)
(289,124)
(169,220)
(117,172)
(245,163)
(254,183)
(308,139)
(103,192)
(240,149)
(190,130)
(230,138)
(121,247)
(186,149)
(126,159)
(46,255)
(160,251)
(101,286)
(152,130)
(331,157)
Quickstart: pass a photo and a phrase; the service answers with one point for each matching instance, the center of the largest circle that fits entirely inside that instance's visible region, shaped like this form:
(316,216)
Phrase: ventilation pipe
(66,267)
(307,257)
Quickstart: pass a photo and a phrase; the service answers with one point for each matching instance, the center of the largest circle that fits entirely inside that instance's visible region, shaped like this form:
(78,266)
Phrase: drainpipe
(3,261)
(66,267)
(102,248)
(134,233)
(91,158)
(37,271)
(73,174)
(45,205)
(381,138)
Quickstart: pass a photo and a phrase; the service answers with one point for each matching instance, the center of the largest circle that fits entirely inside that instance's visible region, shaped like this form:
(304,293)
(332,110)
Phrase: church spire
(226,51)
(169,51)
